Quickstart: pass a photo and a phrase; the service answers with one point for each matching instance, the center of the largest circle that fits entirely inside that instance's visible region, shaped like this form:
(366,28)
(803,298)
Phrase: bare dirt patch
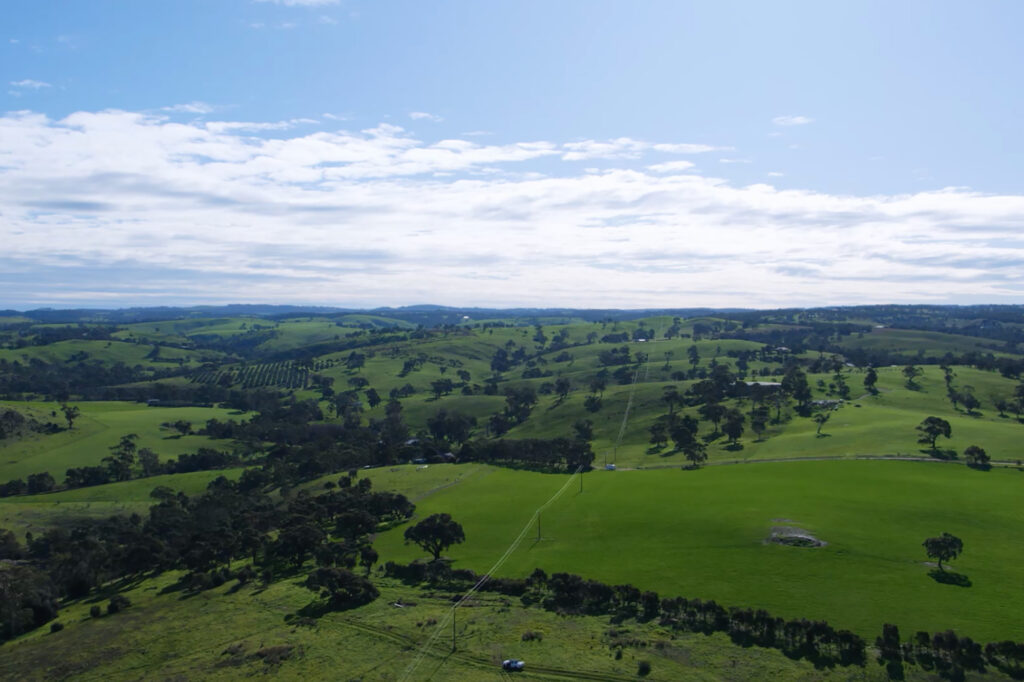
(793,536)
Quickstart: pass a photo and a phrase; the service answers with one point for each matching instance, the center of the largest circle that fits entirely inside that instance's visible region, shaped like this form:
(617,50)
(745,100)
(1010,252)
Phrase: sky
(498,154)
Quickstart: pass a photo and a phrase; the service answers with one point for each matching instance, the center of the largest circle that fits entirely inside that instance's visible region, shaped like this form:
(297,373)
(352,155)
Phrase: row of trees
(571,594)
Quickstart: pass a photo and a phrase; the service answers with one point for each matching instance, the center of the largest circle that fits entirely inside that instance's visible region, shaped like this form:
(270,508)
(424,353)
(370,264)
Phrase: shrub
(531,636)
(95,611)
(643,669)
(56,627)
(118,603)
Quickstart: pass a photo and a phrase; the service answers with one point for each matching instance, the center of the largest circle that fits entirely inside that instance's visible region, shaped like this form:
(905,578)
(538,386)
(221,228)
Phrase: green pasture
(929,344)
(702,534)
(36,513)
(107,352)
(218,634)
(100,426)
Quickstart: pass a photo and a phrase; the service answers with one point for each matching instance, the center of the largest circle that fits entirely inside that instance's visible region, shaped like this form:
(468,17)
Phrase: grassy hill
(694,533)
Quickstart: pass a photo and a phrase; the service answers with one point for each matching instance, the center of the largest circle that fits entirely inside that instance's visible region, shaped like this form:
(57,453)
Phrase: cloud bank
(122,208)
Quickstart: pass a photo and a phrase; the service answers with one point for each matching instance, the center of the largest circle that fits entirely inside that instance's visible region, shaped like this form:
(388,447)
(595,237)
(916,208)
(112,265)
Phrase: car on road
(512,665)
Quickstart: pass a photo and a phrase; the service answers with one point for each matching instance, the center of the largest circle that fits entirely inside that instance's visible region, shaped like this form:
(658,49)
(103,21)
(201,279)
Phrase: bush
(531,636)
(56,627)
(95,611)
(643,669)
(118,603)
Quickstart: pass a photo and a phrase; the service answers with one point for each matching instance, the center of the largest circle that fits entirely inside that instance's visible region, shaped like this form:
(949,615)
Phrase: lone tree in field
(945,547)
(911,373)
(435,534)
(976,457)
(931,428)
(71,413)
(870,379)
(820,419)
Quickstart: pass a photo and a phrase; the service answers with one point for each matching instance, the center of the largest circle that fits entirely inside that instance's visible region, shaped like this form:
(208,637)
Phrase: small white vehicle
(512,665)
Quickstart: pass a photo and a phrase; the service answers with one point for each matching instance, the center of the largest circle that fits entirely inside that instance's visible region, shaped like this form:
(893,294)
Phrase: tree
(693,355)
(683,433)
(519,402)
(794,383)
(713,412)
(969,400)
(453,427)
(71,413)
(40,483)
(592,403)
(584,429)
(562,388)
(670,396)
(974,456)
(342,588)
(931,428)
(372,397)
(910,373)
(945,547)
(122,457)
(870,379)
(821,418)
(441,387)
(733,426)
(659,434)
(435,534)
(759,420)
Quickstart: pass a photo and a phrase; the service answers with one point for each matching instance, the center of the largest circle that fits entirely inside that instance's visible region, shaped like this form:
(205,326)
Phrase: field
(100,426)
(693,533)
(702,534)
(35,513)
(224,634)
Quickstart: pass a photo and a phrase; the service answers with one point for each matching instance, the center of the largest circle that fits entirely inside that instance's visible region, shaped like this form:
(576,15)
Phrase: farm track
(481,662)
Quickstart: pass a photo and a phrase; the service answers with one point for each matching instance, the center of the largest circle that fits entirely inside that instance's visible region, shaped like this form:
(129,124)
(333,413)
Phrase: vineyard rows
(283,374)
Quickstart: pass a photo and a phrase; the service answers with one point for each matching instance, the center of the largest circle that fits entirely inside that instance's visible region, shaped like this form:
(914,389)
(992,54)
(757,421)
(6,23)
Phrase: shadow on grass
(949,578)
(823,435)
(733,447)
(945,455)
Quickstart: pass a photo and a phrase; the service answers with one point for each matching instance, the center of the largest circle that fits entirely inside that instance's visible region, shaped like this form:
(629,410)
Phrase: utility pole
(581,480)
(454,611)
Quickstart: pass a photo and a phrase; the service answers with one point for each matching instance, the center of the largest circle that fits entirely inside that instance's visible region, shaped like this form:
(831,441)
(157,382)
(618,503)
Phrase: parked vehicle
(512,665)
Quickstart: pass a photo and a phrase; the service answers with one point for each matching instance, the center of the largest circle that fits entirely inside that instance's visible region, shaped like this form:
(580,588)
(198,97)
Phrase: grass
(100,426)
(701,534)
(36,513)
(217,634)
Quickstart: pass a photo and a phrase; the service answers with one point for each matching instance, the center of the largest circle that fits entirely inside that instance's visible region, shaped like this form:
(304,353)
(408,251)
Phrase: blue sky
(528,153)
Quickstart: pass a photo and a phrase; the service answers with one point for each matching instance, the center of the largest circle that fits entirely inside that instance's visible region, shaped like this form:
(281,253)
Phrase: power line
(450,617)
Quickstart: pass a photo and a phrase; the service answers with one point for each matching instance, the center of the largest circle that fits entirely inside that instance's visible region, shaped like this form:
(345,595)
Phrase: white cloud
(191,108)
(775,174)
(792,120)
(424,116)
(30,84)
(728,161)
(671,167)
(125,207)
(324,19)
(625,148)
